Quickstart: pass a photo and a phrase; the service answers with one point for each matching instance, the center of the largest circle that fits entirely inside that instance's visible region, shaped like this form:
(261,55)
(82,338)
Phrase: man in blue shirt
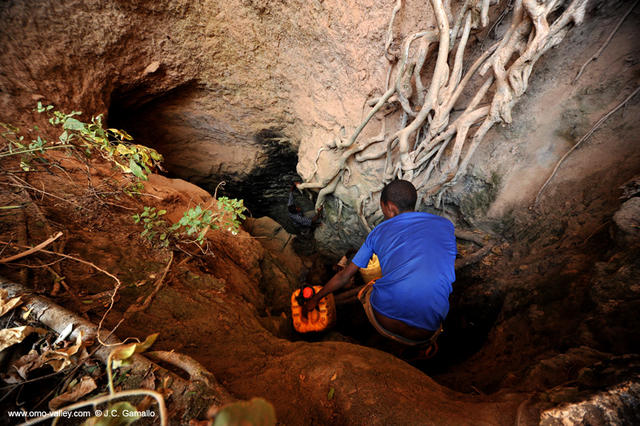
(416,251)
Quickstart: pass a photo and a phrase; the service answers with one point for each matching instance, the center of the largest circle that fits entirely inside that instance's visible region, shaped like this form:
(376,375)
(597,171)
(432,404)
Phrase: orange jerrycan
(372,271)
(321,318)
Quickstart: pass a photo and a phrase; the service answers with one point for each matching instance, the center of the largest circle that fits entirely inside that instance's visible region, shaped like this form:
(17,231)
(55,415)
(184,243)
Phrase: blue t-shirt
(417,251)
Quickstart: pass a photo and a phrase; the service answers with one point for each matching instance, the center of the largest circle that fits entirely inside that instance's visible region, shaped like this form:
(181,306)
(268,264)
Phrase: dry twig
(113,295)
(32,250)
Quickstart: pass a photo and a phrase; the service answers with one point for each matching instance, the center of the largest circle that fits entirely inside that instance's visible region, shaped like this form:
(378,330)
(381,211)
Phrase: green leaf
(257,411)
(137,170)
(73,124)
(331,393)
(124,352)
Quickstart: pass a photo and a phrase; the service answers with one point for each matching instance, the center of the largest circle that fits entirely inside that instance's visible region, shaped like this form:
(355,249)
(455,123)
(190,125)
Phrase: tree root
(135,308)
(417,149)
(193,368)
(31,250)
(606,42)
(582,139)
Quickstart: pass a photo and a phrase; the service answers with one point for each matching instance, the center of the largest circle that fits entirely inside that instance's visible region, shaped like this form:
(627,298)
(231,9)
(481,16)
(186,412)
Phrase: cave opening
(200,147)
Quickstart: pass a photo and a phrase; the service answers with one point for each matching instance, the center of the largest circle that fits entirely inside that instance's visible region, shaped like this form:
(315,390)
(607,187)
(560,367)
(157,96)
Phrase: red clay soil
(210,305)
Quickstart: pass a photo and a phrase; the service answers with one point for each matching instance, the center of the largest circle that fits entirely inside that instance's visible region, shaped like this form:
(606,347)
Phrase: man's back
(417,253)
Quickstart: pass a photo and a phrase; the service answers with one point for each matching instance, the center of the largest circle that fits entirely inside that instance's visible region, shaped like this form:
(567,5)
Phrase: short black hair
(402,193)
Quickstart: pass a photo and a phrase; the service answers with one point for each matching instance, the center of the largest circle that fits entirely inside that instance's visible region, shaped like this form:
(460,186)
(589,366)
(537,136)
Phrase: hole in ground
(199,148)
(470,319)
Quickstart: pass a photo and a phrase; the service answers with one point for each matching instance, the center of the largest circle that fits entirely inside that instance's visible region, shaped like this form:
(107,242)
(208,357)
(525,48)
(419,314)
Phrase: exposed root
(193,368)
(110,275)
(419,149)
(31,250)
(582,139)
(147,301)
(606,42)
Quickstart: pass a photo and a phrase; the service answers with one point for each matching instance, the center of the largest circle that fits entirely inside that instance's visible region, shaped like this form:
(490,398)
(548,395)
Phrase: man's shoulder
(426,217)
(436,218)
(412,219)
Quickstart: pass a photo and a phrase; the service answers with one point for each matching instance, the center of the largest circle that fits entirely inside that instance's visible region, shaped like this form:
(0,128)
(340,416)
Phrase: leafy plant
(154,225)
(16,145)
(234,210)
(117,145)
(196,221)
(134,189)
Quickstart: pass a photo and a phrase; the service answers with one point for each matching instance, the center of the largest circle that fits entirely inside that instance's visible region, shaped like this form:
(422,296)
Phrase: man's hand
(311,304)
(338,281)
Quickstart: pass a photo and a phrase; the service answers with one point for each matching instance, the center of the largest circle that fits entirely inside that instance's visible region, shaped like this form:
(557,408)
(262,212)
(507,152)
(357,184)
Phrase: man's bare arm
(338,281)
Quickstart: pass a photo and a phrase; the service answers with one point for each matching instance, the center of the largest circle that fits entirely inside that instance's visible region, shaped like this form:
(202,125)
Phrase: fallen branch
(582,139)
(58,318)
(32,250)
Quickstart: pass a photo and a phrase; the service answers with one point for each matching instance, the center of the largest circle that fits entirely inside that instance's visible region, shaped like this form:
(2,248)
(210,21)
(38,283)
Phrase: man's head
(398,196)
